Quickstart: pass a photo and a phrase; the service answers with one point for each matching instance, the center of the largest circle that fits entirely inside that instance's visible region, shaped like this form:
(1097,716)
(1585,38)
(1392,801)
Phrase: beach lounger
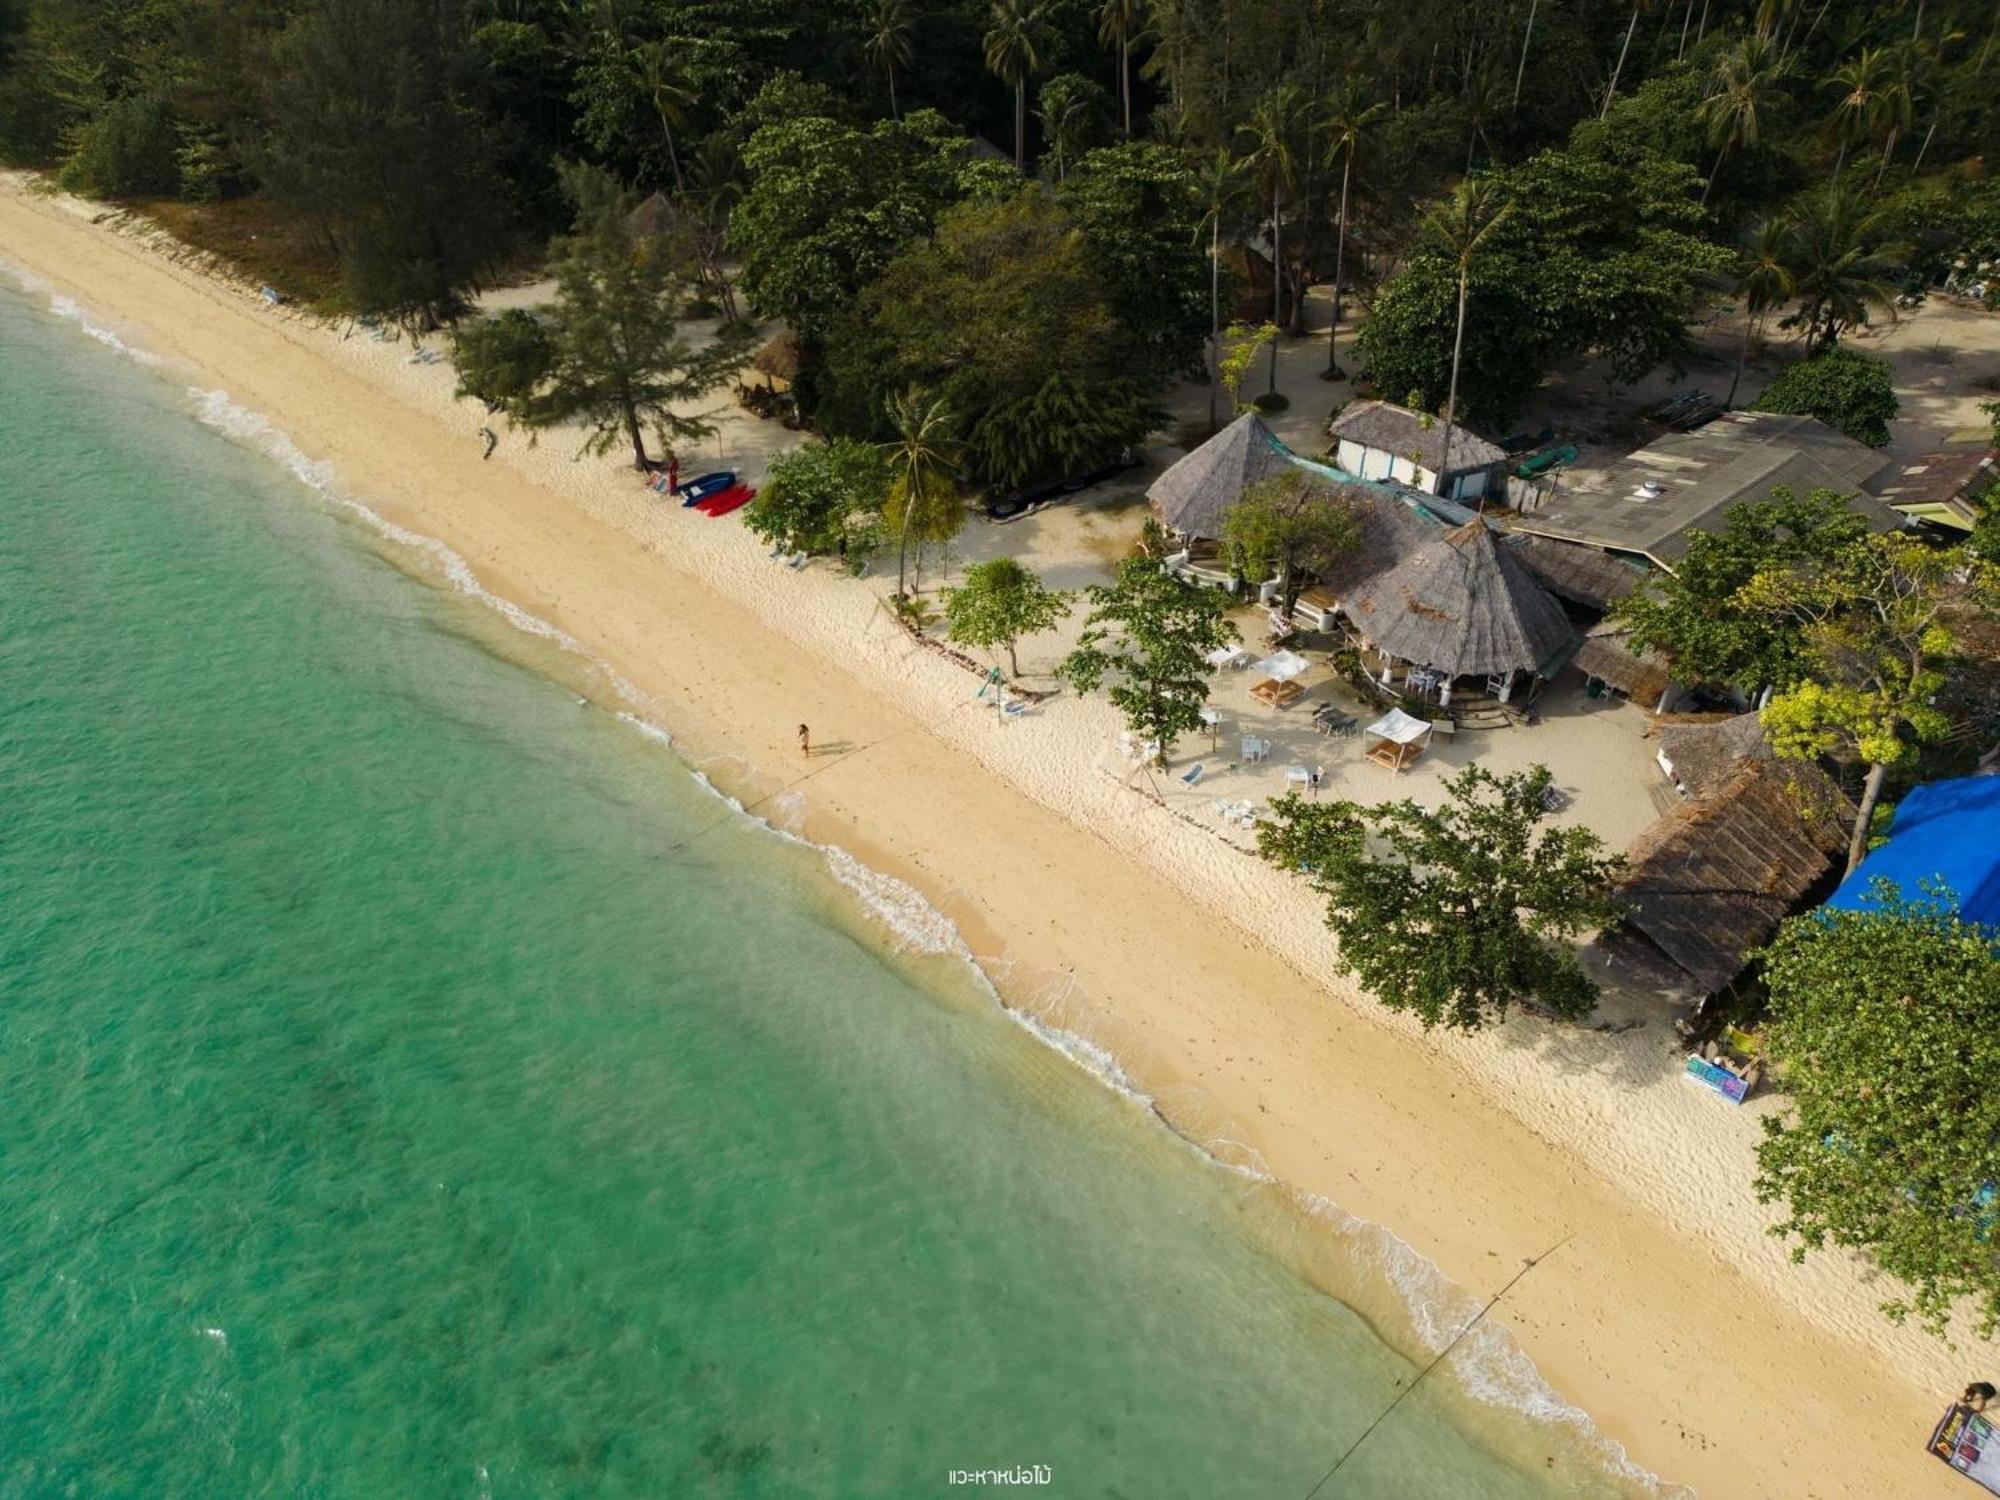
(1193,774)
(798,561)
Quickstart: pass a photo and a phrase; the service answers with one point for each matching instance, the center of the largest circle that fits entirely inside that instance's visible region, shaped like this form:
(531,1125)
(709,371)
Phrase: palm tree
(1065,116)
(1840,266)
(1350,116)
(1221,180)
(1746,85)
(923,458)
(889,45)
(1270,156)
(1460,225)
(1521,69)
(1013,55)
(1763,281)
(1866,105)
(667,92)
(1118,21)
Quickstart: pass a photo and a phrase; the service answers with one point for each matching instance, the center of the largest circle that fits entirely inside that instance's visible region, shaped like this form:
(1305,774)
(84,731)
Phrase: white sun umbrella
(1284,666)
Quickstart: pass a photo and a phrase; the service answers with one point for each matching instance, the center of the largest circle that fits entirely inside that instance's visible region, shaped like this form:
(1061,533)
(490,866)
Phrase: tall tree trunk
(902,547)
(1521,70)
(1709,186)
(1277,283)
(1701,27)
(894,112)
(673,156)
(1339,271)
(1457,350)
(1871,793)
(1021,124)
(1888,149)
(1742,358)
(1840,160)
(1917,31)
(638,437)
(1013,662)
(1612,92)
(1125,81)
(1687,20)
(1214,315)
(1918,165)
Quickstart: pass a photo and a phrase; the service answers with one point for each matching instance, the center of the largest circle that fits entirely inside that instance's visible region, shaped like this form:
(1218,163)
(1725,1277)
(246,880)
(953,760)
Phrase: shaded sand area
(1662,1309)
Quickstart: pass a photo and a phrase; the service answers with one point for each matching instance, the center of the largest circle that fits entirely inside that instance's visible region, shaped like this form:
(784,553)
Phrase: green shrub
(1850,392)
(128,149)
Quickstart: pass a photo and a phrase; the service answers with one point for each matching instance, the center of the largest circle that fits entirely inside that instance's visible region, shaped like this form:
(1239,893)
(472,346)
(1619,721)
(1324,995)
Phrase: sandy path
(1668,1314)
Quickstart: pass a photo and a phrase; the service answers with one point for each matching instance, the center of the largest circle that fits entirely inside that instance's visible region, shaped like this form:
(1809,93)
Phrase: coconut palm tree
(1013,55)
(1521,68)
(1840,266)
(1350,116)
(923,462)
(1118,22)
(1065,118)
(1221,179)
(1867,104)
(1763,281)
(889,45)
(1271,156)
(667,92)
(1460,225)
(1748,81)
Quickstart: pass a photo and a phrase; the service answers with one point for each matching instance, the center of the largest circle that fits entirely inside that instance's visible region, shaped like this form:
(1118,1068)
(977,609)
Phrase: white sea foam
(1489,1363)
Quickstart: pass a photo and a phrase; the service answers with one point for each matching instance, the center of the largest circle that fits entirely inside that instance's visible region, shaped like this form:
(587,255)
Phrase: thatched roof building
(1194,494)
(778,359)
(1702,752)
(656,215)
(1710,881)
(1607,655)
(1583,575)
(1464,605)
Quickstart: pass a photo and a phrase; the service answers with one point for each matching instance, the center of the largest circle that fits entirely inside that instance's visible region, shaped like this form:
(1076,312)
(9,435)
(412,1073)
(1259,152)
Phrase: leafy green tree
(999,602)
(1457,912)
(369,139)
(1884,1025)
(1139,208)
(1146,643)
(620,365)
(1697,616)
(824,498)
(128,149)
(1290,524)
(1071,111)
(829,205)
(1605,257)
(503,360)
(1014,43)
(1875,622)
(923,464)
(1065,427)
(1852,393)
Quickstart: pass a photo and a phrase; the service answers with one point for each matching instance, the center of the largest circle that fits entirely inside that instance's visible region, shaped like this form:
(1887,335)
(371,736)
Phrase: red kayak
(724,501)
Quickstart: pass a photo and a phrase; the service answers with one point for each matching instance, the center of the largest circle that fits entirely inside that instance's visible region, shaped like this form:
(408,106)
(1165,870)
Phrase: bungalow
(1377,440)
(1709,882)
(1646,505)
(1946,489)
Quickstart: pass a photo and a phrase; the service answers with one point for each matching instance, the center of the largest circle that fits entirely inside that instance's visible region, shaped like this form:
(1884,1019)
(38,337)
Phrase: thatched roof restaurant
(1607,655)
(1583,575)
(1463,605)
(1197,491)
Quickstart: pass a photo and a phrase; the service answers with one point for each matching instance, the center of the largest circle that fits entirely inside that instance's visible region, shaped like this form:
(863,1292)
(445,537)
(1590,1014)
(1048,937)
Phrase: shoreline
(1233,1044)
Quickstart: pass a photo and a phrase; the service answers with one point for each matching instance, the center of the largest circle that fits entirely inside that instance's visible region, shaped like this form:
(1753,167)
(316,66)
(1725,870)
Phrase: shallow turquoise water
(415,1084)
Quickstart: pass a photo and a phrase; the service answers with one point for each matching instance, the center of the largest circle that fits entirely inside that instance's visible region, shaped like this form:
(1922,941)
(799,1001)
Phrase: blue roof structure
(1945,831)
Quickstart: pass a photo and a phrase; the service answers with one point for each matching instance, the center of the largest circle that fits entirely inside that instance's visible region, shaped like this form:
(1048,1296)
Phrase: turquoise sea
(417,1084)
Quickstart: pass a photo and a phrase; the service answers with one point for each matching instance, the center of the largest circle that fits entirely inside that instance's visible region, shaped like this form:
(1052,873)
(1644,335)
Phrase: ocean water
(413,1082)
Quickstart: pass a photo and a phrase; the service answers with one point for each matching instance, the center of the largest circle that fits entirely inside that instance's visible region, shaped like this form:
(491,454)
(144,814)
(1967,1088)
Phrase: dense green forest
(1021,206)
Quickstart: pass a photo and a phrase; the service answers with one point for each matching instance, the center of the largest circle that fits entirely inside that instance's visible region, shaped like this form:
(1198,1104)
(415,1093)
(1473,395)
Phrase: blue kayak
(709,484)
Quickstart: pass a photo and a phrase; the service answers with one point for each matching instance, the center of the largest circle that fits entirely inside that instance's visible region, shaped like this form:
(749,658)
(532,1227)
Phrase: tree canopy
(1849,392)
(999,602)
(1884,1026)
(1458,912)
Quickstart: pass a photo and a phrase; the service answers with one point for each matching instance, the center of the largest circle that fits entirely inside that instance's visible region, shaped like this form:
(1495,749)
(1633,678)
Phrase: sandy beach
(1665,1311)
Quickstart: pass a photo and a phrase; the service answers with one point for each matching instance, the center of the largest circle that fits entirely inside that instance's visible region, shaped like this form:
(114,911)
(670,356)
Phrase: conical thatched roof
(656,216)
(1463,605)
(1195,493)
(779,357)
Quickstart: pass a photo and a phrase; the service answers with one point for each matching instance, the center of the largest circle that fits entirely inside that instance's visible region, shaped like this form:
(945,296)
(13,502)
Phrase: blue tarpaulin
(1947,831)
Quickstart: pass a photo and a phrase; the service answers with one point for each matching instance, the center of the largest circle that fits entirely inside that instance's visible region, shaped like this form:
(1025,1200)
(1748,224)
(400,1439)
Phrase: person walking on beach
(673,473)
(1314,782)
(805,741)
(492,441)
